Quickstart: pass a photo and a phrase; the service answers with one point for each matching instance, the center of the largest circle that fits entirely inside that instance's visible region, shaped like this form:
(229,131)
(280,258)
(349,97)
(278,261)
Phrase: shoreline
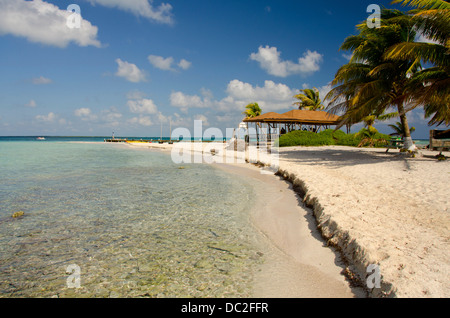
(299,264)
(377,208)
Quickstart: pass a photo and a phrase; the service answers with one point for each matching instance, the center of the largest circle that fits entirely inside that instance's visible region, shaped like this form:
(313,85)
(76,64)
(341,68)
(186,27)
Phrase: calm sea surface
(120,222)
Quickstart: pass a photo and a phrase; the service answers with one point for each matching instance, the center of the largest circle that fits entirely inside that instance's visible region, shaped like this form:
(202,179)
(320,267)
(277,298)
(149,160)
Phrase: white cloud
(85,114)
(184,64)
(416,116)
(166,64)
(42,22)
(271,97)
(111,116)
(50,117)
(269,59)
(141,120)
(135,94)
(142,8)
(107,117)
(142,106)
(323,91)
(161,62)
(203,118)
(31,103)
(41,80)
(129,71)
(184,101)
(138,104)
(82,112)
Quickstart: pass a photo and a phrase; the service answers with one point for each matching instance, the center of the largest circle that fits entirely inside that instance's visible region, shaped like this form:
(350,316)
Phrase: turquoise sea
(107,220)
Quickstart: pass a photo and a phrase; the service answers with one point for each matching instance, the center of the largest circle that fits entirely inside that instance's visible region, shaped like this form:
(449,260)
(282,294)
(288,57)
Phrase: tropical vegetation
(309,99)
(363,138)
(398,129)
(252,110)
(429,87)
(386,70)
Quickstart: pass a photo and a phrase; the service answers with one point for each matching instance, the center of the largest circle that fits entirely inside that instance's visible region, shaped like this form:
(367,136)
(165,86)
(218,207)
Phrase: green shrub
(304,138)
(364,137)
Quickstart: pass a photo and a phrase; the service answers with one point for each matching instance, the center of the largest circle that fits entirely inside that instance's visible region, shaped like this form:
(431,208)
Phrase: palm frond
(424,4)
(428,52)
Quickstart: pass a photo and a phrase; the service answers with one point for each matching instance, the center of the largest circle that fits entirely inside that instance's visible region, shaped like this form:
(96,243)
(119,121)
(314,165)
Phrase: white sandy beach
(376,208)
(379,208)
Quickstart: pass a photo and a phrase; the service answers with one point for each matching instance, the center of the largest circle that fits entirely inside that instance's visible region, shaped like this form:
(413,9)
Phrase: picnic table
(395,143)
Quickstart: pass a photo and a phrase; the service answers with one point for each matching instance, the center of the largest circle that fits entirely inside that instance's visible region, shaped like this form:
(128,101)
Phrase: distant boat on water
(40,138)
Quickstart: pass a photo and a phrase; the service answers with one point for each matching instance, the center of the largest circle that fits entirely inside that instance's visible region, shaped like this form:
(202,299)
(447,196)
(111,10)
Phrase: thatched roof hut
(297,116)
(295,119)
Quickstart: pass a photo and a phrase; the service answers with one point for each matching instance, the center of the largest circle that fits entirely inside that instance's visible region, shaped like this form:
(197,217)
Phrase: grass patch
(363,138)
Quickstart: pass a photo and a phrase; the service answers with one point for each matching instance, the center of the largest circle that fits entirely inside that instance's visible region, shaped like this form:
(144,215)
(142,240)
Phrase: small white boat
(40,138)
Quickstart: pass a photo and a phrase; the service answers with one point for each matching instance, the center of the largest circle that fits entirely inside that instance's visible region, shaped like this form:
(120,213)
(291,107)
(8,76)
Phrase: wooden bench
(396,143)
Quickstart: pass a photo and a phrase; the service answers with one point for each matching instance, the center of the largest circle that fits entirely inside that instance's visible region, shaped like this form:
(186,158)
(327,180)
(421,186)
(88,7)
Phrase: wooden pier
(159,141)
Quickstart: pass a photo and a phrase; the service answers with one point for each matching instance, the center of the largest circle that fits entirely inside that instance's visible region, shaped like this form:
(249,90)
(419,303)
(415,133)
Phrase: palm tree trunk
(408,143)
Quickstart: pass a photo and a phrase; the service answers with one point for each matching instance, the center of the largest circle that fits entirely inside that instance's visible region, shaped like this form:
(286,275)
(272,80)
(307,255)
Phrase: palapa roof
(313,116)
(297,116)
(267,118)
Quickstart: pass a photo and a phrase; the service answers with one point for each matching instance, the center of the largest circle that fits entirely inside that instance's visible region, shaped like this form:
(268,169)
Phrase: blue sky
(135,64)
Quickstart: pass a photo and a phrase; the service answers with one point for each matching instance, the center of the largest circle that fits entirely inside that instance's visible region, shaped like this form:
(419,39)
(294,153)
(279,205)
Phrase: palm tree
(252,110)
(430,87)
(368,137)
(309,100)
(369,120)
(370,83)
(398,129)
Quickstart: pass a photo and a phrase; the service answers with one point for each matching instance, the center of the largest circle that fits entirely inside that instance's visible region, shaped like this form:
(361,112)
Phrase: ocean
(106,220)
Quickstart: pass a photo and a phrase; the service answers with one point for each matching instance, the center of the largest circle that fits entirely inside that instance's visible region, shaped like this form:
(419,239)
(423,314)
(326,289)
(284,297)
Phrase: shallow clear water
(134,223)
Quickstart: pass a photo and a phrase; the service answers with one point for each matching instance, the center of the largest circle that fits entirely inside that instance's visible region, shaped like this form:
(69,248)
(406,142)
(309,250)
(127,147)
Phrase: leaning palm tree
(309,100)
(252,110)
(430,87)
(370,83)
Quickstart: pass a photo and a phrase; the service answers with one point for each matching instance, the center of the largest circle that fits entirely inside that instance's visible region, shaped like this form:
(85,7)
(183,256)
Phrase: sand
(373,207)
(298,263)
(378,208)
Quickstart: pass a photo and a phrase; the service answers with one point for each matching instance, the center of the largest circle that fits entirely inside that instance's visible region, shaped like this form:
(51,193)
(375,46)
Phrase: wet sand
(298,262)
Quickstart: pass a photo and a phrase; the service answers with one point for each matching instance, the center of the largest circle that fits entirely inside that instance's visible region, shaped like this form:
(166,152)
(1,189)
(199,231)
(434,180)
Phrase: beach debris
(440,157)
(18,214)
(204,263)
(222,250)
(213,233)
(257,255)
(181,167)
